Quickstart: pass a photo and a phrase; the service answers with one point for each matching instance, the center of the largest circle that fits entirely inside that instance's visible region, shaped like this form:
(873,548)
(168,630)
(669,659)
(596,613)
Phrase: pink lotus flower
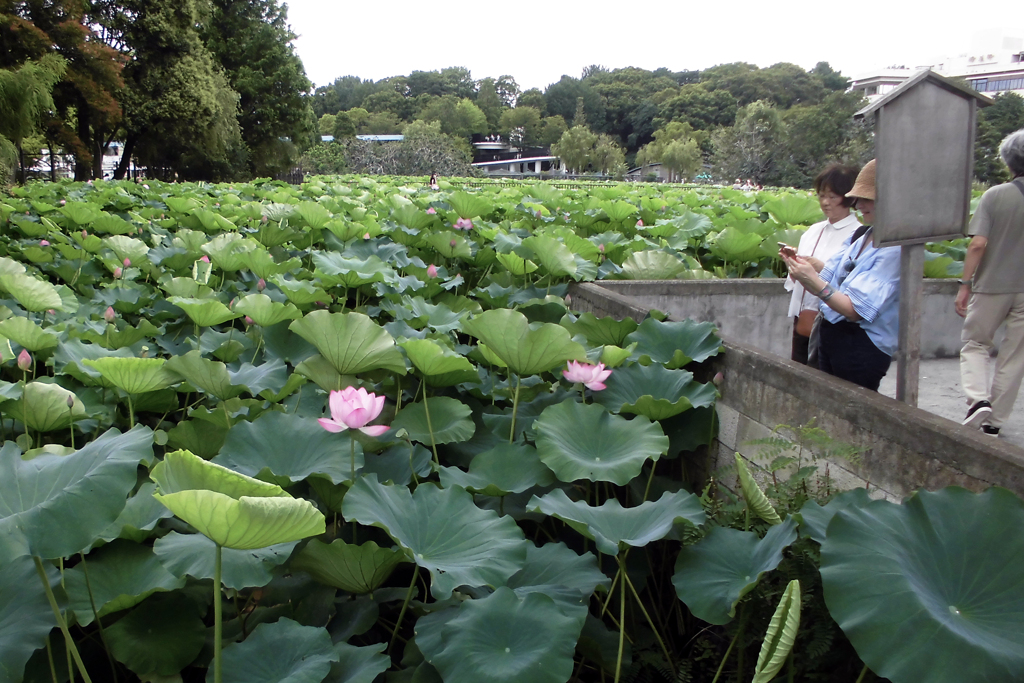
(44,243)
(109,315)
(205,259)
(590,376)
(261,284)
(117,272)
(431,270)
(463,224)
(24,360)
(352,408)
(431,210)
(366,235)
(127,262)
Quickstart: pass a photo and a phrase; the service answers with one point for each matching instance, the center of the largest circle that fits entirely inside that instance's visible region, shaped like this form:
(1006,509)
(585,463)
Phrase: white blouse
(821,241)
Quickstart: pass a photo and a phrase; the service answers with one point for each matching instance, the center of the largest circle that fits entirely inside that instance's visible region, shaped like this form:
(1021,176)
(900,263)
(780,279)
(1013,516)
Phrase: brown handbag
(805,322)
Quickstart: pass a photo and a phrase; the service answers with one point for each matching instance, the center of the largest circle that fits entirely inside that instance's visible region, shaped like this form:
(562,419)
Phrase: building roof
(949,84)
(381,138)
(506,162)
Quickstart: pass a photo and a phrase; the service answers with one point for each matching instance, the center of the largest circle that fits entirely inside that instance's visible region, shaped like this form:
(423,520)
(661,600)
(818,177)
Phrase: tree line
(194,89)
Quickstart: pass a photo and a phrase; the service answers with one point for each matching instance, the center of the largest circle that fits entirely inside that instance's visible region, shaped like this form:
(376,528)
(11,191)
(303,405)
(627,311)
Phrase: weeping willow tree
(25,97)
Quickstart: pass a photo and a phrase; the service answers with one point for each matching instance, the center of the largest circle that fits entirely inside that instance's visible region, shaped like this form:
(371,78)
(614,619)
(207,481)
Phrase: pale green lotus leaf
(356,569)
(140,515)
(121,575)
(437,364)
(652,265)
(34,295)
(81,213)
(556,258)
(755,498)
(654,391)
(28,334)
(313,214)
(301,293)
(204,312)
(618,210)
(585,441)
(352,342)
(412,217)
(262,264)
(55,506)
(233,510)
(794,209)
(469,205)
(734,245)
(223,250)
(527,349)
(44,407)
(134,375)
(516,264)
(125,247)
(333,269)
(605,331)
(442,419)
(112,225)
(482,549)
(206,375)
(441,242)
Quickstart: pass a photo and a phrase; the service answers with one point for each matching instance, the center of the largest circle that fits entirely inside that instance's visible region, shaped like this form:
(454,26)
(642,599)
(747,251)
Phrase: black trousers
(845,351)
(800,346)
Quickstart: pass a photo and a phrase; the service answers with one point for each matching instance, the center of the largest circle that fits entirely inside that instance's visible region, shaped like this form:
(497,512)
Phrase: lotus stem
(49,658)
(430,427)
(352,457)
(650,478)
(218,608)
(863,673)
(131,413)
(405,606)
(96,615)
(68,641)
(657,633)
(742,650)
(515,409)
(622,620)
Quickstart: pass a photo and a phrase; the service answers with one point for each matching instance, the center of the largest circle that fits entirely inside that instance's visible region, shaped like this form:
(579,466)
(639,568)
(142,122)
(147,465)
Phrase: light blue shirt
(873,285)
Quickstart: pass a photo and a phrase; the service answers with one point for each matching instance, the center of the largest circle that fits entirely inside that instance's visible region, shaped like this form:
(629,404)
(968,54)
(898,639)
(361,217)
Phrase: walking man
(992,293)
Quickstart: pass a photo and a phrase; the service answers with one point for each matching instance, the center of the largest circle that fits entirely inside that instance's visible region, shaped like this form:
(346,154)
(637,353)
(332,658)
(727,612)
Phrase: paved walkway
(939,393)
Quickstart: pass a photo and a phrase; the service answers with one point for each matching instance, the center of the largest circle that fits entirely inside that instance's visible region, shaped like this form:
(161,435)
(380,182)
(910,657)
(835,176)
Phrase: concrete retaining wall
(753,312)
(906,448)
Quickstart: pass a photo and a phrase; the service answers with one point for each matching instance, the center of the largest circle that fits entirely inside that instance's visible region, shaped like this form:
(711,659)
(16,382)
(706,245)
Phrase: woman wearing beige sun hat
(859,288)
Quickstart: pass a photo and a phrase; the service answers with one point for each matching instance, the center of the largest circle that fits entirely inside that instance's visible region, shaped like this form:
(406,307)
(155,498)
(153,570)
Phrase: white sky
(537,41)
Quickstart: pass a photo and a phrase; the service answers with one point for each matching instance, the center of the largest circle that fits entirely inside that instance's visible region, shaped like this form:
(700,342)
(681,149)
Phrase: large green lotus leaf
(558,572)
(618,211)
(140,515)
(735,245)
(354,568)
(32,294)
(333,269)
(358,664)
(25,615)
(438,317)
(28,227)
(712,575)
(313,214)
(290,447)
(505,638)
(469,205)
(82,213)
(794,209)
(264,311)
(127,248)
(516,264)
(202,437)
(352,342)
(412,217)
(675,344)
(814,518)
(55,506)
(600,331)
(114,338)
(204,312)
(585,441)
(480,549)
(160,637)
(654,392)
(450,245)
(121,575)
(527,349)
(262,264)
(194,555)
(556,258)
(933,589)
(28,334)
(44,407)
(299,292)
(112,225)
(507,468)
(612,527)
(204,374)
(652,265)
(282,652)
(224,249)
(439,365)
(450,420)
(134,375)
(233,510)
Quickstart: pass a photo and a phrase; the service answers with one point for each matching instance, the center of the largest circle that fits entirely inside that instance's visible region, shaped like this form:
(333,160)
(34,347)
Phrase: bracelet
(964,282)
(826,292)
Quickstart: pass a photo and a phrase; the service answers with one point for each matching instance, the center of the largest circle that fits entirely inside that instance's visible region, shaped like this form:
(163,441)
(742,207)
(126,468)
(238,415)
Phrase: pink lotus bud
(27,213)
(140,229)
(431,210)
(109,315)
(127,262)
(117,272)
(452,244)
(366,235)
(600,248)
(231,304)
(261,284)
(718,379)
(538,214)
(71,401)
(264,219)
(44,243)
(24,360)
(248,320)
(51,311)
(85,235)
(205,259)
(640,224)
(63,202)
(431,270)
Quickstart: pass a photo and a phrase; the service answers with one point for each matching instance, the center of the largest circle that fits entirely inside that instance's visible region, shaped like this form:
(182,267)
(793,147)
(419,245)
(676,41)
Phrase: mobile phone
(783,245)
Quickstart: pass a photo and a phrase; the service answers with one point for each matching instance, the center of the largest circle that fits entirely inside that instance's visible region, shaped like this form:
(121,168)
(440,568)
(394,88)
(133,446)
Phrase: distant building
(990,71)
(495,155)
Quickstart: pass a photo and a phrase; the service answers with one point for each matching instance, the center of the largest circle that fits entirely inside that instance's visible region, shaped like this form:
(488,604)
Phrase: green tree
(699,106)
(676,147)
(561,100)
(522,126)
(343,126)
(534,98)
(819,133)
(490,104)
(392,101)
(25,97)
(551,130)
(607,156)
(326,124)
(508,90)
(752,147)
(574,148)
(994,124)
(347,92)
(458,118)
(253,43)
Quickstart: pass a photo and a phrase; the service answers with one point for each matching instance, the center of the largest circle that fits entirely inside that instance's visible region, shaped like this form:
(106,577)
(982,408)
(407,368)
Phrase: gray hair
(1012,152)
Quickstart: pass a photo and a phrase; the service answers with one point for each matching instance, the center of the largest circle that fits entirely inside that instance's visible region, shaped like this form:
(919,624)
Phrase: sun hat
(864,188)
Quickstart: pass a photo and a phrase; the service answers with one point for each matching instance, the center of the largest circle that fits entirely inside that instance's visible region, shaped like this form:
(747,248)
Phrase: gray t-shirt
(1000,218)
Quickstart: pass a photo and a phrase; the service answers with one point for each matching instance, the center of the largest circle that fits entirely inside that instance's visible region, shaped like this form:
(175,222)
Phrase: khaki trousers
(985,313)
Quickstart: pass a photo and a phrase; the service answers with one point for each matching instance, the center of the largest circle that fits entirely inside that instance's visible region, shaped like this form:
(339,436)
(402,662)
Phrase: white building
(992,70)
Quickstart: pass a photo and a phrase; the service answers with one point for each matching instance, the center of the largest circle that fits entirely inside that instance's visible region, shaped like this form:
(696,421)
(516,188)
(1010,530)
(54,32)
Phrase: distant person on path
(992,293)
(860,289)
(818,243)
(433,181)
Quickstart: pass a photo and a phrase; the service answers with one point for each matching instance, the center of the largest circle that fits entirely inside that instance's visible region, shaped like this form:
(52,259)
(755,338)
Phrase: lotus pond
(354,430)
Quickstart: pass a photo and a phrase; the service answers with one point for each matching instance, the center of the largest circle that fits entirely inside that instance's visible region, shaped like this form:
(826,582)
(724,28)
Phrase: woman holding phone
(818,243)
(859,289)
